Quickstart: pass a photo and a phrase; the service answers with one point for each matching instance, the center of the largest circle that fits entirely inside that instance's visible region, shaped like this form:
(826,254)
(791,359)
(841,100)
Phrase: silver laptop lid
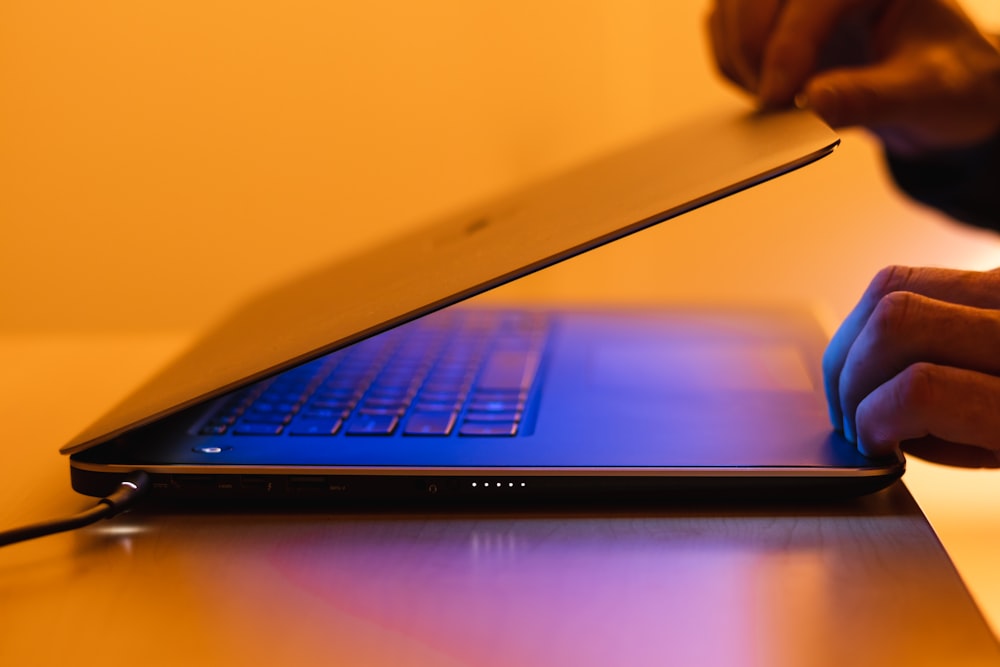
(470,252)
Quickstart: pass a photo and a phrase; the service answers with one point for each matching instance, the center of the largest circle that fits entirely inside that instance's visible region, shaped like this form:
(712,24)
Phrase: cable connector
(133,487)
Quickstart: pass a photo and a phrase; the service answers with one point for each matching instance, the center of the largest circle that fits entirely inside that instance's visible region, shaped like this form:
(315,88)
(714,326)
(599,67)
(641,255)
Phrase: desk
(863,582)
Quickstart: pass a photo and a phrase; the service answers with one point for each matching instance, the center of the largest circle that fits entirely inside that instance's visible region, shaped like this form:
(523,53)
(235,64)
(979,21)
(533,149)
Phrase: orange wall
(160,159)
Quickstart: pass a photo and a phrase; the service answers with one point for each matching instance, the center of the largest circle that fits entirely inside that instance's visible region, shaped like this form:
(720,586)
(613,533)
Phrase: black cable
(133,487)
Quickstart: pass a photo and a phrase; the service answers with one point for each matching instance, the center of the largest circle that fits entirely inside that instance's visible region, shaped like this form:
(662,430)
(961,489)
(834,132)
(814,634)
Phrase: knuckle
(916,387)
(990,280)
(893,314)
(894,278)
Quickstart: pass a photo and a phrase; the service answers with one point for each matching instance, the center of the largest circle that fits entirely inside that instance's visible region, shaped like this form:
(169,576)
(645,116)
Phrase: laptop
(368,380)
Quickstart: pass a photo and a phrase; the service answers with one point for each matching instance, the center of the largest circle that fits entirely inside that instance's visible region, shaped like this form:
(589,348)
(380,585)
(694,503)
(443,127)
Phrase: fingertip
(833,365)
(832,391)
(784,67)
(862,96)
(823,99)
(848,430)
(863,448)
(835,418)
(874,450)
(775,89)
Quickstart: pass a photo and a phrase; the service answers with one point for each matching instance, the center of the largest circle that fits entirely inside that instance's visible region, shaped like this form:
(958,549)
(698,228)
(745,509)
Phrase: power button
(210,449)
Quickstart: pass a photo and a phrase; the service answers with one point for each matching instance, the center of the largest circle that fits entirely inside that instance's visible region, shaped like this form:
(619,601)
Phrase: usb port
(307,485)
(194,482)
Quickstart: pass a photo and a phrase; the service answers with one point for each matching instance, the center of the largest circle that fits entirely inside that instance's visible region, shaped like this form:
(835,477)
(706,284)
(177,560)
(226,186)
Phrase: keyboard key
(508,369)
(372,425)
(266,418)
(325,413)
(398,410)
(430,423)
(338,393)
(441,396)
(261,407)
(257,429)
(438,387)
(379,402)
(315,427)
(437,406)
(488,429)
(492,416)
(499,395)
(336,406)
(496,406)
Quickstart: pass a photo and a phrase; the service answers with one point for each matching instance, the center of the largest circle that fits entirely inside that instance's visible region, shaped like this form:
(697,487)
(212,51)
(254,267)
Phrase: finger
(929,90)
(746,28)
(863,96)
(976,289)
(949,405)
(723,59)
(800,32)
(906,328)
(887,93)
(969,288)
(922,106)
(732,34)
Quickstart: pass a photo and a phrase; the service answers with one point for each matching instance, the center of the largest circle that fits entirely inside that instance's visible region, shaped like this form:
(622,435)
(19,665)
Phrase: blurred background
(160,161)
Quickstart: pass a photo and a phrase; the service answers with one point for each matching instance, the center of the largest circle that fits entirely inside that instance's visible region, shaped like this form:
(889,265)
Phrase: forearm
(964,183)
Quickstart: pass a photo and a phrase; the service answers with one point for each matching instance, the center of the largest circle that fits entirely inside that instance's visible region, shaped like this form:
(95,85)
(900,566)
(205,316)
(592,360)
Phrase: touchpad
(700,366)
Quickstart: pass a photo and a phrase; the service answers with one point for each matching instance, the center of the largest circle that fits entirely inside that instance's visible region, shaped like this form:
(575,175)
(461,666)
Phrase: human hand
(918,73)
(917,365)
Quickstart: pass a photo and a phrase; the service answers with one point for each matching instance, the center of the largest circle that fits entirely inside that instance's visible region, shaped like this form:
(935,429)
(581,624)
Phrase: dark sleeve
(964,183)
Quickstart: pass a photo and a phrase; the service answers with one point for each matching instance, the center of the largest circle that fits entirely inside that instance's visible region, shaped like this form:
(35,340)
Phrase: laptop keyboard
(465,373)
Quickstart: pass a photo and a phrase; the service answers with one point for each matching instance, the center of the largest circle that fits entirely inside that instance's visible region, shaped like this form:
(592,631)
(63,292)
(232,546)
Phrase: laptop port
(256,484)
(312,485)
(194,482)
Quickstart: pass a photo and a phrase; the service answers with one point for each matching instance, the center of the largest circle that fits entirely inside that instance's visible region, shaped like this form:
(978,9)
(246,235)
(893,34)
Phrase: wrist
(958,181)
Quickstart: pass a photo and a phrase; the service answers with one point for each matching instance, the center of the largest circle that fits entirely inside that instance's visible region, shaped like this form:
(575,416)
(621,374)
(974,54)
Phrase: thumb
(878,95)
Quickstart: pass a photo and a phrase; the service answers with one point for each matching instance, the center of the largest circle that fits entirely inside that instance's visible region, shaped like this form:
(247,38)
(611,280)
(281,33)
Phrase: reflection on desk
(861,582)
